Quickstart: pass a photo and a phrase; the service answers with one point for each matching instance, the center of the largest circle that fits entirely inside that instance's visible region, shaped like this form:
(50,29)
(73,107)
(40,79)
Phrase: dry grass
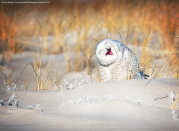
(135,23)
(151,25)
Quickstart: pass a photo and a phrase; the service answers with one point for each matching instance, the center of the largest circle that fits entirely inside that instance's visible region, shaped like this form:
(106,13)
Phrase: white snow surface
(99,106)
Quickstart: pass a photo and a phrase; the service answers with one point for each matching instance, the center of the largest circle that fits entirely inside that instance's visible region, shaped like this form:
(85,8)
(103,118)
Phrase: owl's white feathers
(100,53)
(116,61)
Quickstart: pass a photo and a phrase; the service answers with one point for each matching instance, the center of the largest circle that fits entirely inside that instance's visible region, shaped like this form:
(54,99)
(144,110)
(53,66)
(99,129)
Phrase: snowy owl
(116,61)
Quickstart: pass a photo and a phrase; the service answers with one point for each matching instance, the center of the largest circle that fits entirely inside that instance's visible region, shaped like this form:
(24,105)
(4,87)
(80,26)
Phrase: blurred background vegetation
(149,28)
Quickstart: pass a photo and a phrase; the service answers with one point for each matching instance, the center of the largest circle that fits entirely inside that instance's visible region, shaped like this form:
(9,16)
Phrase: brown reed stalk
(39,77)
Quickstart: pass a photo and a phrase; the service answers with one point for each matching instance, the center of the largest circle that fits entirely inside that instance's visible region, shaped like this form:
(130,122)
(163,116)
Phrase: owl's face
(105,52)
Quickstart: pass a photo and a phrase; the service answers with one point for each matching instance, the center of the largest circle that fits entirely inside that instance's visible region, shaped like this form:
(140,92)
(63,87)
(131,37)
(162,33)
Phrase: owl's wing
(130,63)
(104,73)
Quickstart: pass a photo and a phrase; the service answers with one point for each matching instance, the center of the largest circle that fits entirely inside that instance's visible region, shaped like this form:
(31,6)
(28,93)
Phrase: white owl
(117,62)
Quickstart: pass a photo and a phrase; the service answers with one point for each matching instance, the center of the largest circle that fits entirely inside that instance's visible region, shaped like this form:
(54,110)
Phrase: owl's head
(105,52)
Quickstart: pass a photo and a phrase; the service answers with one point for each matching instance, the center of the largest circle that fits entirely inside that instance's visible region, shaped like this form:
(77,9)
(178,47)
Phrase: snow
(98,106)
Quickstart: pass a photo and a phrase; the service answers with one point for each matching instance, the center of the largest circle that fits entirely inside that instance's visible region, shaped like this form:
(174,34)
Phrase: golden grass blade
(152,70)
(144,44)
(171,69)
(147,37)
(89,61)
(1,69)
(37,69)
(41,30)
(151,67)
(106,24)
(25,87)
(169,59)
(174,73)
(49,63)
(40,68)
(30,83)
(8,79)
(176,100)
(118,32)
(84,54)
(151,48)
(94,39)
(24,70)
(145,62)
(46,78)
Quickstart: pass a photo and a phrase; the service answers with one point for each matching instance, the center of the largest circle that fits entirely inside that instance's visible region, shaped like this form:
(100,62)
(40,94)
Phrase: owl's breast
(116,71)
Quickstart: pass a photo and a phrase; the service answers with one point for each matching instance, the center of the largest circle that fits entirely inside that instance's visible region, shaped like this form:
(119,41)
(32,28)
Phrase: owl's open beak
(109,52)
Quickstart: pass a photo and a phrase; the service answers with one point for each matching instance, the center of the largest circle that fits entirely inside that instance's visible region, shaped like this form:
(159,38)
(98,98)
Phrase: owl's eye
(100,51)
